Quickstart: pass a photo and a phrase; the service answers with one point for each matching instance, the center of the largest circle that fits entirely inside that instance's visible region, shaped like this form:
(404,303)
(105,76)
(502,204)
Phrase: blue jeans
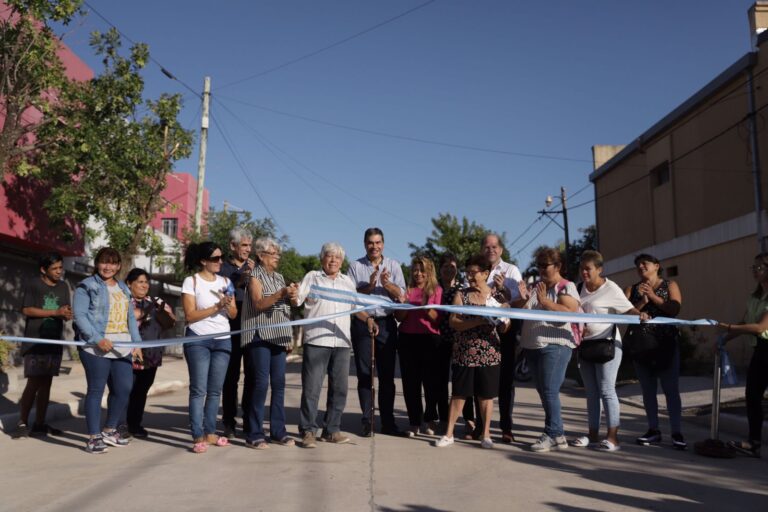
(600,385)
(318,361)
(548,366)
(265,365)
(99,370)
(207,361)
(649,377)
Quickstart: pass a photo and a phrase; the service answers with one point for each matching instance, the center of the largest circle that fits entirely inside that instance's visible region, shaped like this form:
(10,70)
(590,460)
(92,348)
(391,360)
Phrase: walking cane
(714,447)
(373,386)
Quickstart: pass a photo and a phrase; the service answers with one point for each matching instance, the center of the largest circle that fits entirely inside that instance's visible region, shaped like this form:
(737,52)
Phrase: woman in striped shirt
(267,303)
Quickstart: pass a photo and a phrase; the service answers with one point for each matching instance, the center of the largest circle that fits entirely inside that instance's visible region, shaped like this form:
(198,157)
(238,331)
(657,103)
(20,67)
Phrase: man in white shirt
(326,348)
(504,279)
(375,274)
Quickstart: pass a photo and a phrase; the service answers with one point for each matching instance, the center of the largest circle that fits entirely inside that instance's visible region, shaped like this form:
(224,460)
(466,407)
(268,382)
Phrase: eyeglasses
(543,266)
(213,259)
(473,272)
(757,268)
(271,253)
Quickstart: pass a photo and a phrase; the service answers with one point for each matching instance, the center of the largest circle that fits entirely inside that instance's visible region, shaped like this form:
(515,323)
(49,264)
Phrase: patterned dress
(478,346)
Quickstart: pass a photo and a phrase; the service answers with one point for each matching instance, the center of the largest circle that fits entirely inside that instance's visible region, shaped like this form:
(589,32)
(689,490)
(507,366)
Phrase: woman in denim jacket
(103,316)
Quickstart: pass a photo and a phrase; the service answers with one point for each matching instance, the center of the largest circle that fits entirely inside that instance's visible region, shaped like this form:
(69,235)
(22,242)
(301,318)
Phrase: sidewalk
(68,393)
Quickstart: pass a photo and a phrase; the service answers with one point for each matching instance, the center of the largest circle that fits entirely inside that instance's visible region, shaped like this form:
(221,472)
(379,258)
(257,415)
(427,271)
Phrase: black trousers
(507,377)
(386,355)
(420,367)
(229,403)
(757,382)
(142,381)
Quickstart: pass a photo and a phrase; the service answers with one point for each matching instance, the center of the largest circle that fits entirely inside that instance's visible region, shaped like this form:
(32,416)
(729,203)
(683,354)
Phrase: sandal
(607,446)
(745,448)
(200,446)
(285,441)
(507,437)
(214,440)
(583,442)
(259,444)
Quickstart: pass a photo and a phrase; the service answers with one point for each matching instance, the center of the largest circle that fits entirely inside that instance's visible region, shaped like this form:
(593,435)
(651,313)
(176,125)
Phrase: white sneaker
(487,443)
(444,441)
(546,444)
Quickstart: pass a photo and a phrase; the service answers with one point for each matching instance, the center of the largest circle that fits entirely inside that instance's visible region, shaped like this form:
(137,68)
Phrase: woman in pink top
(418,345)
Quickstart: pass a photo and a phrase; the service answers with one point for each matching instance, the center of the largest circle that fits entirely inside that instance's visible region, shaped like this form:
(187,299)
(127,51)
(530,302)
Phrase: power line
(326,48)
(406,137)
(245,173)
(551,220)
(318,175)
(163,69)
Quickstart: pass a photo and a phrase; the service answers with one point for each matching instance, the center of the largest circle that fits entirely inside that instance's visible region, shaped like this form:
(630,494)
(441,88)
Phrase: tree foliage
(218,224)
(31,73)
(109,158)
(462,238)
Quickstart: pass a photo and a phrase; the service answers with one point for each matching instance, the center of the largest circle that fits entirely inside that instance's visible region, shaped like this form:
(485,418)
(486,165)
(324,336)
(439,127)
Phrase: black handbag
(599,350)
(641,343)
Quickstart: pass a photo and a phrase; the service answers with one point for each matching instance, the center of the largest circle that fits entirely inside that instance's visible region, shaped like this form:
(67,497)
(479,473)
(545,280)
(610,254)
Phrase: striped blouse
(271,283)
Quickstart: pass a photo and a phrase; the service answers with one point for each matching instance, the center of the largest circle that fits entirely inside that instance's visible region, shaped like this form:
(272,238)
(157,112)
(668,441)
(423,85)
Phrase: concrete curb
(72,408)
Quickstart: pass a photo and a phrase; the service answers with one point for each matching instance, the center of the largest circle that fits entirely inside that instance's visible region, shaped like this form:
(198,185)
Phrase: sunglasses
(213,259)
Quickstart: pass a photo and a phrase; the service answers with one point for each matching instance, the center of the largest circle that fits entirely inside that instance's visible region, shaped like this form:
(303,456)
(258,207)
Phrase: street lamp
(564,211)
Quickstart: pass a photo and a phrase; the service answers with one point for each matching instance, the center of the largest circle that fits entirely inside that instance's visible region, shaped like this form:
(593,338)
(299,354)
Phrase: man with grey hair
(326,348)
(237,269)
(503,280)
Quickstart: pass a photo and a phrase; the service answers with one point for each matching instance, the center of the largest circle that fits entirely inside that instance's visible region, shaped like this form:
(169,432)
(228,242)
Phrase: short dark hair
(134,274)
(648,258)
(447,257)
(373,231)
(48,259)
(108,255)
(479,260)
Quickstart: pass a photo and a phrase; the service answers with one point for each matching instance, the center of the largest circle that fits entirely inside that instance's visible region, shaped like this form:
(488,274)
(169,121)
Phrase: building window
(171,227)
(660,174)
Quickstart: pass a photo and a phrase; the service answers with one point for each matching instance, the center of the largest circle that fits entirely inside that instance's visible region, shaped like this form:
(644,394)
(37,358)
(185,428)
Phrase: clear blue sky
(541,78)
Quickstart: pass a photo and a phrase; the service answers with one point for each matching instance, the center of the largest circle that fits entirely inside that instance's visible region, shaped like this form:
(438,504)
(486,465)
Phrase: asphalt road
(383,473)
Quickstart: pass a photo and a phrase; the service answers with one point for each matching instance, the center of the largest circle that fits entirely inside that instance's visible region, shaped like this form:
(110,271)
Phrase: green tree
(462,238)
(109,161)
(31,74)
(293,265)
(218,224)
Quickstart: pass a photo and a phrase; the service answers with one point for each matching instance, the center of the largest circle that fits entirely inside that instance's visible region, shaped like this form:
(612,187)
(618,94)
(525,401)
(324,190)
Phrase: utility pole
(564,227)
(201,160)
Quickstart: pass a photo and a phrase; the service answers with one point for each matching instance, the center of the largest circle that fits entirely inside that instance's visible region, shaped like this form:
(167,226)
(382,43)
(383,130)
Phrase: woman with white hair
(326,348)
(266,303)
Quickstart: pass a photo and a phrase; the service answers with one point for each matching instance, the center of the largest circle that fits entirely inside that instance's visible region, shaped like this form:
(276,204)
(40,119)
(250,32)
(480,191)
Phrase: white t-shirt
(609,299)
(207,294)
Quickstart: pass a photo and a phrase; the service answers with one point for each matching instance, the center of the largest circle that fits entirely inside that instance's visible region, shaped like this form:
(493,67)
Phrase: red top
(417,322)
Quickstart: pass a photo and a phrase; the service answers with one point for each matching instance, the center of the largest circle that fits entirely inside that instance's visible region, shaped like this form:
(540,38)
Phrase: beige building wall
(685,192)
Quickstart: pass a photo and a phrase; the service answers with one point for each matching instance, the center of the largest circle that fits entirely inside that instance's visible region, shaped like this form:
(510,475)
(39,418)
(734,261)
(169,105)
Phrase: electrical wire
(163,69)
(326,48)
(551,220)
(245,174)
(318,175)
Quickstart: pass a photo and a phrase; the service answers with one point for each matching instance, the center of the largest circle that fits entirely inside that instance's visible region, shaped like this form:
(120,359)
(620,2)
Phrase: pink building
(177,216)
(24,224)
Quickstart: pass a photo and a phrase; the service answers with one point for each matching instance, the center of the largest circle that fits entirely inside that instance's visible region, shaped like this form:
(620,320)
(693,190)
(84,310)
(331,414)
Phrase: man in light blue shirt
(375,274)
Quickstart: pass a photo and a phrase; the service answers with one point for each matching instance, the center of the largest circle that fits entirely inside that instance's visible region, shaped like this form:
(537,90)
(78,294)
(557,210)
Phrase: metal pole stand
(713,447)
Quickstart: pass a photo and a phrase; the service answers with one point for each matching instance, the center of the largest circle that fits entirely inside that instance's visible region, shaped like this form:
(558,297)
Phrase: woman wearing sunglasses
(209,303)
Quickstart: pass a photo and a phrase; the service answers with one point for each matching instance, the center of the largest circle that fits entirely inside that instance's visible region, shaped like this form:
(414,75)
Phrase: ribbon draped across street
(362,302)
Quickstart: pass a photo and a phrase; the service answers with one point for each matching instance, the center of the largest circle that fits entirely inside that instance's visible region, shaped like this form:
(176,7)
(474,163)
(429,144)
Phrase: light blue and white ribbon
(362,302)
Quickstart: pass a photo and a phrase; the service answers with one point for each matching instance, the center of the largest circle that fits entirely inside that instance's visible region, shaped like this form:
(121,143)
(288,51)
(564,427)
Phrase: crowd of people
(474,354)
